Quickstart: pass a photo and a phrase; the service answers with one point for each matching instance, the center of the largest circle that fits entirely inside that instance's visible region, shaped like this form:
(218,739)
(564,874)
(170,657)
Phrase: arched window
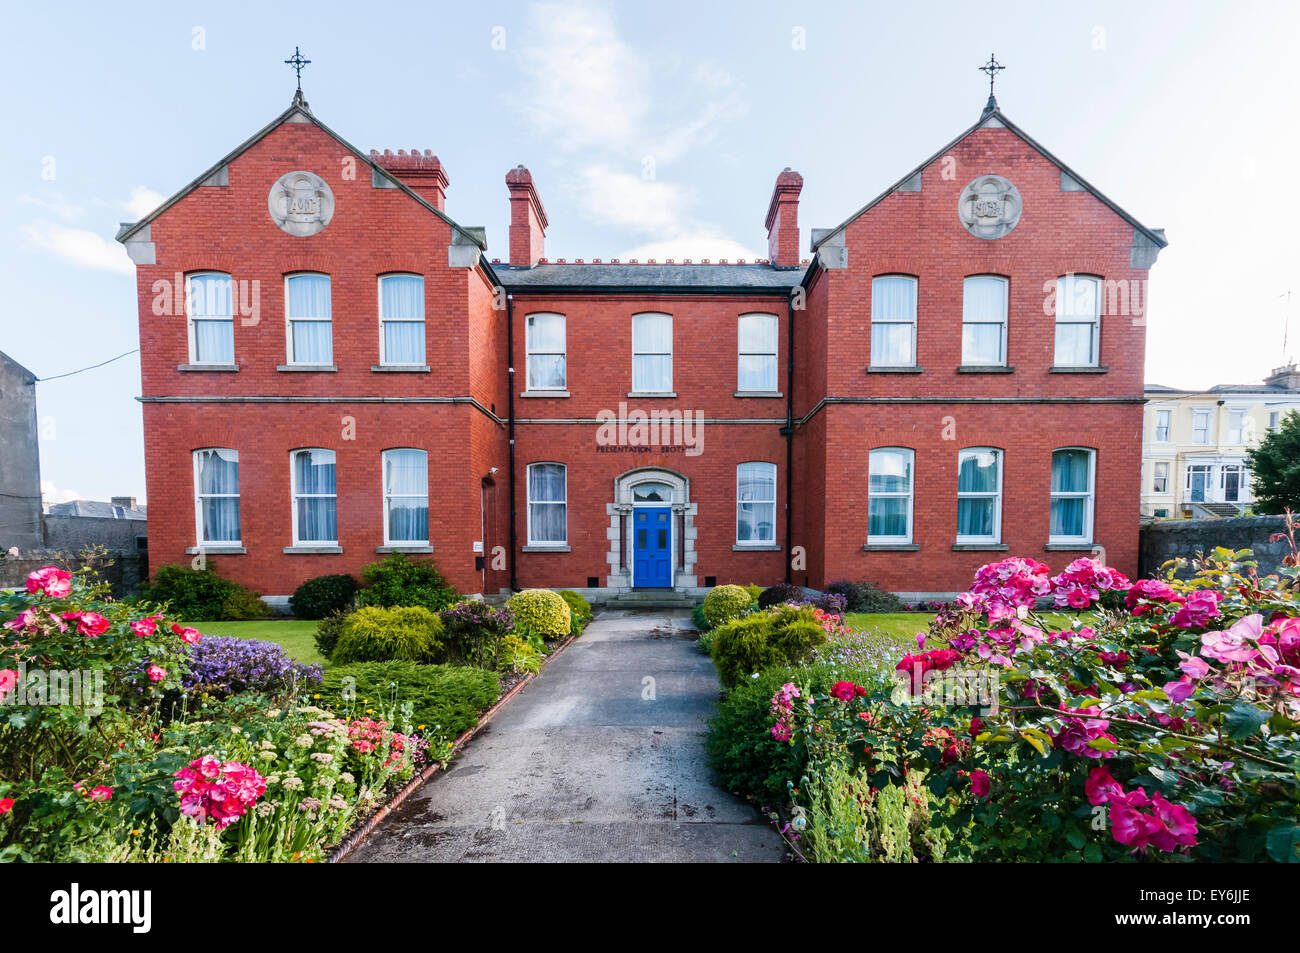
(401,320)
(755,503)
(652,353)
(979,495)
(1073,476)
(756,337)
(406,497)
(893,321)
(984,321)
(544,340)
(548,508)
(315,497)
(1078,321)
(889,495)
(308,319)
(210,308)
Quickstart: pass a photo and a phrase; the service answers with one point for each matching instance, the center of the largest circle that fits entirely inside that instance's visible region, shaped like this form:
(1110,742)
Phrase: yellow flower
(135,833)
(317,695)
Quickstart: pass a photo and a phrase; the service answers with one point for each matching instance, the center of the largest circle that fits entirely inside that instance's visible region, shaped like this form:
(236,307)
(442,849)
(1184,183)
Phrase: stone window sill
(546,549)
(198,368)
(886,369)
(763,548)
(405,548)
(398,368)
(980,547)
(304,550)
(985,369)
(890,547)
(215,550)
(553,394)
(1069,547)
(651,393)
(758,393)
(1057,369)
(309,368)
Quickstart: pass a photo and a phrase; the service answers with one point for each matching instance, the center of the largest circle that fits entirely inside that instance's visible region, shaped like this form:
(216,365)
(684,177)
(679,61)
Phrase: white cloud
(696,246)
(79,246)
(143,201)
(55,203)
(51,494)
(629,201)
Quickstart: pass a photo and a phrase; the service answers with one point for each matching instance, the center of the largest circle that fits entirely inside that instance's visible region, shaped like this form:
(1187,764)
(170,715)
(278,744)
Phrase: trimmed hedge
(400,581)
(763,640)
(200,595)
(404,633)
(451,697)
(864,597)
(781,592)
(579,610)
(724,603)
(540,612)
(318,597)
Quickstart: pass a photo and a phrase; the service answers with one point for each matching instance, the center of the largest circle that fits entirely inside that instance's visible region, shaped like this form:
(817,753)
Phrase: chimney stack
(1287,376)
(783,220)
(423,173)
(527,219)
(125,501)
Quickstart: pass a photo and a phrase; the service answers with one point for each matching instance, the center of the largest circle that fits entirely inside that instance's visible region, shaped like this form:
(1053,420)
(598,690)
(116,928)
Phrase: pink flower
(89,624)
(8,681)
(1180,690)
(27,619)
(1233,644)
(50,581)
(156,673)
(101,793)
(191,636)
(980,784)
(6,805)
(1194,667)
(846,691)
(1198,609)
(146,627)
(216,791)
(1101,787)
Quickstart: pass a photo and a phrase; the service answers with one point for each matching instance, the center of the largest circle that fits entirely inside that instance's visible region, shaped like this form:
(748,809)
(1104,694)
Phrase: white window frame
(384,320)
(528,493)
(996,495)
(1168,423)
(743,352)
(1240,414)
(757,543)
(200,496)
(389,497)
(893,320)
(1207,416)
(294,496)
(1243,482)
(529,351)
(1090,497)
(1006,307)
(192,344)
(636,353)
(290,319)
(1160,477)
(1063,285)
(910,495)
(1274,421)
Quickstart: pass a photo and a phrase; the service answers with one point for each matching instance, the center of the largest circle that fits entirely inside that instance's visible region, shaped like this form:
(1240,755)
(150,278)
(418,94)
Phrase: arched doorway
(651,531)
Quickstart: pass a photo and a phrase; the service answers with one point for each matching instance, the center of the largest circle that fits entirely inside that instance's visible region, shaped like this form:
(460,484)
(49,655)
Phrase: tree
(1275,467)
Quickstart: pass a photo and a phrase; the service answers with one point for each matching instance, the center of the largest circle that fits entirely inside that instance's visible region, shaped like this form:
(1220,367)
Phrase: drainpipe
(510,414)
(788,430)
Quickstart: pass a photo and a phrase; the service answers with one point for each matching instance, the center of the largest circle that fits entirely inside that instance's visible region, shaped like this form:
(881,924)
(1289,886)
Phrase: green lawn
(901,627)
(296,635)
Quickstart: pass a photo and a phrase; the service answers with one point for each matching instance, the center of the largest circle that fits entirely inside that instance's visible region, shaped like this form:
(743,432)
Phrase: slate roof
(677,279)
(96,508)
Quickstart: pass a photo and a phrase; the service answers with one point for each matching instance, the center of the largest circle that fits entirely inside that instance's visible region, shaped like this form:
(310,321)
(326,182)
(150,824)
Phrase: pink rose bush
(218,792)
(1170,708)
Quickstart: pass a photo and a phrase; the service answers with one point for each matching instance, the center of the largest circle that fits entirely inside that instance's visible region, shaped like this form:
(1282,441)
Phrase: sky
(652,131)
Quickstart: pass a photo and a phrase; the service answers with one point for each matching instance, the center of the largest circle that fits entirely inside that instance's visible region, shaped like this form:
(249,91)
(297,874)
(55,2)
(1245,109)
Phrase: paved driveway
(600,758)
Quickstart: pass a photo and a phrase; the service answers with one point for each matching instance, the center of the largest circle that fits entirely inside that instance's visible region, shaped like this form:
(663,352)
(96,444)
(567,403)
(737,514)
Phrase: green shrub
(781,592)
(399,581)
(724,603)
(785,635)
(518,656)
(741,749)
(449,697)
(754,590)
(328,631)
(402,633)
(200,595)
(697,617)
(474,631)
(579,610)
(864,597)
(540,613)
(316,598)
(704,644)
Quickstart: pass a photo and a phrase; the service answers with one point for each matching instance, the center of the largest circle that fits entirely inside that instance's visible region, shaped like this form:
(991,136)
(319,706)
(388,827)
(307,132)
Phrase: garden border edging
(353,840)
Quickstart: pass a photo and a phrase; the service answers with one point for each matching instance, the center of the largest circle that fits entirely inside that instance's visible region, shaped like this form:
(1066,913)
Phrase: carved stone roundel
(990,207)
(301,203)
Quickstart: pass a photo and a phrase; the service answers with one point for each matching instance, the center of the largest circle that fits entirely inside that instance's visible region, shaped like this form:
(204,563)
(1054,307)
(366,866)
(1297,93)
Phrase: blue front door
(651,555)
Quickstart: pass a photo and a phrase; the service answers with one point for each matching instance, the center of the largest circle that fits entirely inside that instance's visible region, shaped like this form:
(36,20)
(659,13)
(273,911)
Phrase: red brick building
(334,369)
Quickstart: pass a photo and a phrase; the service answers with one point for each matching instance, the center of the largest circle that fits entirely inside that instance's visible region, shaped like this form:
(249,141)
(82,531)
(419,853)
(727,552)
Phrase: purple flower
(227,665)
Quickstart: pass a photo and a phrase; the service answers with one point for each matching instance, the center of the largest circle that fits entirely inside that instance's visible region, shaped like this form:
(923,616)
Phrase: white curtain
(309,298)
(406,490)
(652,352)
(756,502)
(984,313)
(317,501)
(401,307)
(757,335)
(402,296)
(218,488)
(893,298)
(210,306)
(889,485)
(404,342)
(547,506)
(545,343)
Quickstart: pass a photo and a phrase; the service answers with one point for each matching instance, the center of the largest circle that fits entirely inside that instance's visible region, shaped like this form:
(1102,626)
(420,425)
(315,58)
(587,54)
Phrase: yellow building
(1194,443)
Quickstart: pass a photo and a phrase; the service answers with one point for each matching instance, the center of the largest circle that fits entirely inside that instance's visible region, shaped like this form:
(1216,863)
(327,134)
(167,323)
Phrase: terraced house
(334,368)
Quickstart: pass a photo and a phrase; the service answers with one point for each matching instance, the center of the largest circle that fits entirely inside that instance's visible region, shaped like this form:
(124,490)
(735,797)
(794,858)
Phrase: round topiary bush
(781,592)
(541,612)
(744,646)
(579,610)
(724,603)
(376,634)
(316,598)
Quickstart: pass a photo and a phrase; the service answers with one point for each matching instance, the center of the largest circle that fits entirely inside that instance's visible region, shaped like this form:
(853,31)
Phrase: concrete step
(651,599)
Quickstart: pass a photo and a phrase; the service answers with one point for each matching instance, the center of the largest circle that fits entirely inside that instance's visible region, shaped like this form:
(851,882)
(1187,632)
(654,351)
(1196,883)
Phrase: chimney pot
(783,220)
(527,219)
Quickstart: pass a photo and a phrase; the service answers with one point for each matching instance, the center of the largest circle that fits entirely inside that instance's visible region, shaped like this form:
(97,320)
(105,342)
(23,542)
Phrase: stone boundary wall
(1169,539)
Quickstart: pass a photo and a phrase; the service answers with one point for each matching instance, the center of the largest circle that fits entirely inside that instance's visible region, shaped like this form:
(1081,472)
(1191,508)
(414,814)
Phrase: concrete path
(600,758)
